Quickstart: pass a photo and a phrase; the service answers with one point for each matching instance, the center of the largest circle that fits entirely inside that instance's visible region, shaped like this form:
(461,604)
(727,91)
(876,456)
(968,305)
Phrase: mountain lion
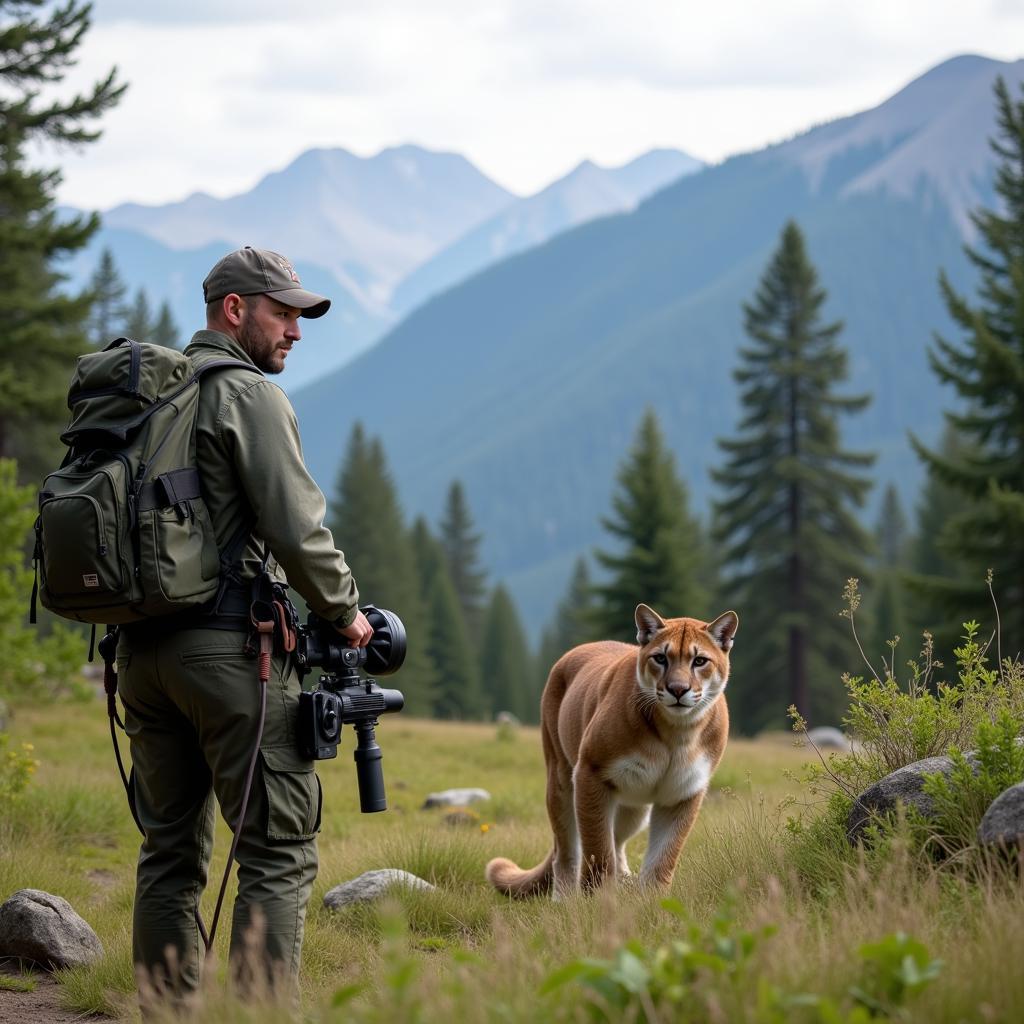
(630,737)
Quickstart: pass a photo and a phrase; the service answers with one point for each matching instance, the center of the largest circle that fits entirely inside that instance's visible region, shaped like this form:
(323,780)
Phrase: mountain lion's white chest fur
(665,778)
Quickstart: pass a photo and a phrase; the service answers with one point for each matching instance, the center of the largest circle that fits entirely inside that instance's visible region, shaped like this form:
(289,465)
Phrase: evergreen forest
(785,531)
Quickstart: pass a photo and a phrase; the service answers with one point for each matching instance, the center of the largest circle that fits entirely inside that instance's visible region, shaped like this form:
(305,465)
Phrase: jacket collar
(213,342)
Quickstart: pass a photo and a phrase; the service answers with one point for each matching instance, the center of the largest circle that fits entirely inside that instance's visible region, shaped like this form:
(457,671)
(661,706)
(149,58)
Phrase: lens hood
(385,652)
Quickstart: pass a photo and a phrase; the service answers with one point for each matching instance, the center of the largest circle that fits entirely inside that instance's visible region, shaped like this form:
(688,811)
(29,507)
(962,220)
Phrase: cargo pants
(191,702)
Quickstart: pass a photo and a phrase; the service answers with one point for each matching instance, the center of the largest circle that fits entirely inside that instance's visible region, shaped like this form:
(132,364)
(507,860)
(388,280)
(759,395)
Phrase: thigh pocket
(293,793)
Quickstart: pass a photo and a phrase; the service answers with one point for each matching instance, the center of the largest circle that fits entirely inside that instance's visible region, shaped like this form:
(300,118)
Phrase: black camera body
(343,697)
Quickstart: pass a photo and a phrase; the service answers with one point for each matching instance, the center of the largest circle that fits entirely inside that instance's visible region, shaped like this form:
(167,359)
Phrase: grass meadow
(755,929)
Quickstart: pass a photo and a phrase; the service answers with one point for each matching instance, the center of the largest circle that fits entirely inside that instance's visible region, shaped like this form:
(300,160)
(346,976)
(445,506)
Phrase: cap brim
(311,304)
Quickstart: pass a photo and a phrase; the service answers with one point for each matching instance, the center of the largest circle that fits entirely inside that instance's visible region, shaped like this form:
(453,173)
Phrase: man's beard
(260,348)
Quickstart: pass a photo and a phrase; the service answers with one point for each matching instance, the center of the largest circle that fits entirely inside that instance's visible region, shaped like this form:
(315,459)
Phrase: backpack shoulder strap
(222,364)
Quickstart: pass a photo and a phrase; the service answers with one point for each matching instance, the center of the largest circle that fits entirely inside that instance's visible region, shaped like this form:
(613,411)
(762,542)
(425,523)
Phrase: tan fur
(628,741)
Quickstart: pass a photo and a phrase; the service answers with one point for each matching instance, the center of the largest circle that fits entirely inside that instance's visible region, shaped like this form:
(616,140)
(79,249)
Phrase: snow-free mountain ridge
(527,381)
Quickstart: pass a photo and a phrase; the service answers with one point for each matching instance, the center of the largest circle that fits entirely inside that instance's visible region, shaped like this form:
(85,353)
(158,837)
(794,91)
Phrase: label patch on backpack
(90,579)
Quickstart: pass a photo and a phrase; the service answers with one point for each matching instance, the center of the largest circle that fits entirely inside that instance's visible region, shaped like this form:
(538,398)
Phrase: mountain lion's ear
(723,629)
(648,622)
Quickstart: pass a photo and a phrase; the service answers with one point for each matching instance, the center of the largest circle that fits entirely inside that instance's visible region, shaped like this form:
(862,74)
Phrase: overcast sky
(224,91)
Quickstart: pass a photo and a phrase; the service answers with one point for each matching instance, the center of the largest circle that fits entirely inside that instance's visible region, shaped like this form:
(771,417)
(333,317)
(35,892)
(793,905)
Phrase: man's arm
(259,427)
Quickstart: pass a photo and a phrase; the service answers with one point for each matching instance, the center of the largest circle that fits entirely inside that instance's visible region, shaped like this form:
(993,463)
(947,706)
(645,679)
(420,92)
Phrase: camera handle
(369,771)
(362,704)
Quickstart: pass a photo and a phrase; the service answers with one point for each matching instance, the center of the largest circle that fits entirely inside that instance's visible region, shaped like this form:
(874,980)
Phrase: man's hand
(359,631)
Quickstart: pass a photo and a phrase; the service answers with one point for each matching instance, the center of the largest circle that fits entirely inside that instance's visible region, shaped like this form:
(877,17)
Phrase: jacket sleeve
(259,428)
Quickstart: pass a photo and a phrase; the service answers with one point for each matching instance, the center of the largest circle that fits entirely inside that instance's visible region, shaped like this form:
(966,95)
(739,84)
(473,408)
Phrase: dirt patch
(41,1006)
(103,879)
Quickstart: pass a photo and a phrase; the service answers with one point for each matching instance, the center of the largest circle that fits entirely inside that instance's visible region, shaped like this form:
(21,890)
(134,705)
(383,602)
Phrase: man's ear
(232,308)
(648,622)
(723,629)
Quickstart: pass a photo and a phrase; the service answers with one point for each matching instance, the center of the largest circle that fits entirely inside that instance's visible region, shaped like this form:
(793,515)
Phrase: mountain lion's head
(683,664)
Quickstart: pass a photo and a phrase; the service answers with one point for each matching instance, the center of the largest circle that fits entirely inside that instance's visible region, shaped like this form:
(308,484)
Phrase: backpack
(123,533)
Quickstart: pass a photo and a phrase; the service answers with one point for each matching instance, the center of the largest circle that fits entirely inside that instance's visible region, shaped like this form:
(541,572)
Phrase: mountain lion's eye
(700,660)
(659,659)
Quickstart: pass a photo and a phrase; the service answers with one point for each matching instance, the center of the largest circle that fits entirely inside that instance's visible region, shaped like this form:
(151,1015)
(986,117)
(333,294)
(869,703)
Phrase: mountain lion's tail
(510,879)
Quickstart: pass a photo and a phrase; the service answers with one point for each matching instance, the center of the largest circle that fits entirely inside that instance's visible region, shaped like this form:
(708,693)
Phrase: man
(191,695)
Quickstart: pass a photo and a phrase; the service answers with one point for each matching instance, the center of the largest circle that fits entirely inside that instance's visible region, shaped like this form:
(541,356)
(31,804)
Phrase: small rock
(901,786)
(1003,824)
(45,929)
(371,886)
(461,816)
(507,718)
(455,798)
(828,737)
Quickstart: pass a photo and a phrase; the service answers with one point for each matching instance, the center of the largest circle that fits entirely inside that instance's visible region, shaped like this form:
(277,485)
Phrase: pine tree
(461,546)
(447,640)
(107,290)
(366,521)
(138,319)
(571,623)
(506,667)
(891,538)
(165,330)
(43,329)
(986,371)
(888,605)
(786,524)
(661,544)
(427,551)
(936,576)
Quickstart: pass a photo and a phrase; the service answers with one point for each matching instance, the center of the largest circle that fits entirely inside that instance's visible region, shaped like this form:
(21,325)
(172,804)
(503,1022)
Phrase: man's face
(268,331)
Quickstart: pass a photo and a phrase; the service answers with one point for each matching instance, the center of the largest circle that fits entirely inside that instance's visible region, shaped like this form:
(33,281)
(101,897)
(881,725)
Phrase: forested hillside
(527,382)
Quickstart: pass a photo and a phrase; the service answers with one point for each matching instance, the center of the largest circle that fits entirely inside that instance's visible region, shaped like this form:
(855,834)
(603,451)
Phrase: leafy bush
(897,724)
(710,972)
(31,660)
(16,770)
(961,798)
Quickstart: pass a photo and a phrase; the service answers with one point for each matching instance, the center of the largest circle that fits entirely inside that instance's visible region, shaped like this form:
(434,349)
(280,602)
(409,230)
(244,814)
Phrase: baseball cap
(250,271)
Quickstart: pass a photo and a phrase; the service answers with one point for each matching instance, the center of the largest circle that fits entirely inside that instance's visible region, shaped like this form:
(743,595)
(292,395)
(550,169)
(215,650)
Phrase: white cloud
(228,90)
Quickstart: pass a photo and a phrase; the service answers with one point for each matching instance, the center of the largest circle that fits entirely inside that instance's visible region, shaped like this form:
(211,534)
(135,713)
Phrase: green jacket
(252,470)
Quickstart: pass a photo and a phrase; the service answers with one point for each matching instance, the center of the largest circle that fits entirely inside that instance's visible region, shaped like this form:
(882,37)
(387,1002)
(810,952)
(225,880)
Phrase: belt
(233,615)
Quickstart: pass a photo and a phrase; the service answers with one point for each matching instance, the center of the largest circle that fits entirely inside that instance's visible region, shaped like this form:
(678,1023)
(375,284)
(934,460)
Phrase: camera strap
(272,625)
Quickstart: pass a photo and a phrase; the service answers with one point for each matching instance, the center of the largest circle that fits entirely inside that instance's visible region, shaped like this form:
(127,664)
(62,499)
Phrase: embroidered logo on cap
(289,270)
(90,579)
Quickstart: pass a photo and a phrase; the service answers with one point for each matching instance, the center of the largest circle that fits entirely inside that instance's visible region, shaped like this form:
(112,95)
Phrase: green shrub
(16,770)
(683,977)
(896,724)
(961,798)
(32,660)
(709,974)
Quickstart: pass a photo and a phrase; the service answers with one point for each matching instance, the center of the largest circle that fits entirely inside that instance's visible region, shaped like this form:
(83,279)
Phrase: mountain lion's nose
(677,688)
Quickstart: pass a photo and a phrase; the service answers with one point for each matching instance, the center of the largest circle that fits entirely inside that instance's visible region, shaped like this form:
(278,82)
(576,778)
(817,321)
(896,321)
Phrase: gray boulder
(371,886)
(828,737)
(903,786)
(460,818)
(455,798)
(45,929)
(1003,824)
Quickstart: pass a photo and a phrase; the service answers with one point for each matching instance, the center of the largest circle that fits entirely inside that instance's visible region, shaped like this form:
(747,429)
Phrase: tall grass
(463,953)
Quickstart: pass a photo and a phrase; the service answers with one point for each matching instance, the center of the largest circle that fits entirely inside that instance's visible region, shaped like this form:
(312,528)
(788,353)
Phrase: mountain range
(586,192)
(528,380)
(367,221)
(357,228)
